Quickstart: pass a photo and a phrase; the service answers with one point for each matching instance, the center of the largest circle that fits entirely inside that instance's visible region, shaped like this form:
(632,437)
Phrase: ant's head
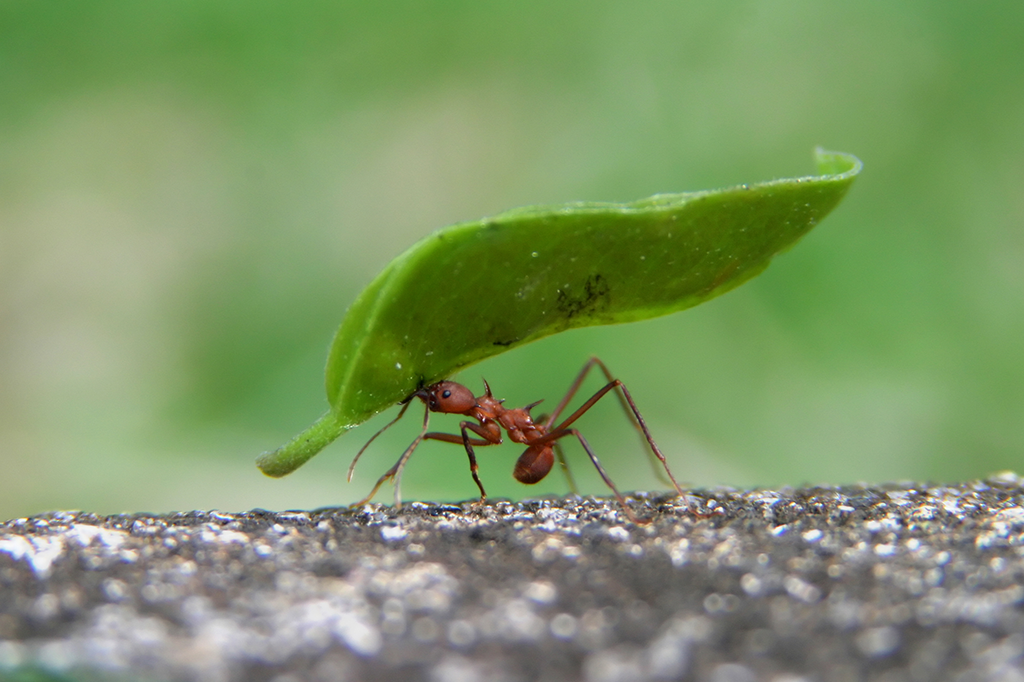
(447,397)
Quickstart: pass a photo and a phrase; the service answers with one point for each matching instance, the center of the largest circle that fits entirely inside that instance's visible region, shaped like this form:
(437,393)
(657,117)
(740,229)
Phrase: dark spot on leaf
(592,299)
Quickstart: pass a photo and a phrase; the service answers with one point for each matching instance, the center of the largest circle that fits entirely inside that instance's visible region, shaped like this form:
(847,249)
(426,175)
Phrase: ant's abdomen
(534,464)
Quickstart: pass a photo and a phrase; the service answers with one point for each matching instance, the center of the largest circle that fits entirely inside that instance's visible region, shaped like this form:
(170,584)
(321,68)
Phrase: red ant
(542,438)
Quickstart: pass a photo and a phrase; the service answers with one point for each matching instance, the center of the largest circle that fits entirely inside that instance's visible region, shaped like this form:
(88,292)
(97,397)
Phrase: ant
(540,436)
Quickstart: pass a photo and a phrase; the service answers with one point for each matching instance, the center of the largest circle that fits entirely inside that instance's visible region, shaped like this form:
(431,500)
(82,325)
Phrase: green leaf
(477,289)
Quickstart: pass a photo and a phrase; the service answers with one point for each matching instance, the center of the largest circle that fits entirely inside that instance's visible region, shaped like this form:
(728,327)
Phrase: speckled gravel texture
(897,582)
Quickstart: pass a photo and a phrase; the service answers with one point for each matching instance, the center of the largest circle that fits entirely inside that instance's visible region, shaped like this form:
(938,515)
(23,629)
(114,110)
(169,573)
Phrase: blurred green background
(191,193)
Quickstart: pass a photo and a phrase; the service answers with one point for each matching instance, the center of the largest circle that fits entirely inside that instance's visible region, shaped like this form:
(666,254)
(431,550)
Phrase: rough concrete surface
(900,582)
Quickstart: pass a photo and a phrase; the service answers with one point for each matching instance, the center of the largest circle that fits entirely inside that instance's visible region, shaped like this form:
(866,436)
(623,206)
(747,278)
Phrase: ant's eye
(446,394)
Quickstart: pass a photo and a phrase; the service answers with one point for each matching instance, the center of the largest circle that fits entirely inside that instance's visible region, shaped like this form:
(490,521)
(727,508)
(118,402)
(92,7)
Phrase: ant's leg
(619,394)
(561,433)
(395,472)
(577,382)
(589,365)
(468,443)
(562,462)
(352,466)
(454,438)
(636,413)
(467,426)
(436,436)
(560,455)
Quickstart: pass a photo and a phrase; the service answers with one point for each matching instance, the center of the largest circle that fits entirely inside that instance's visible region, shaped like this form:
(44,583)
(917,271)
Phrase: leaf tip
(837,163)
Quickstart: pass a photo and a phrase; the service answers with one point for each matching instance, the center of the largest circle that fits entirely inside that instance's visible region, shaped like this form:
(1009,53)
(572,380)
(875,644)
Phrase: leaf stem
(298,450)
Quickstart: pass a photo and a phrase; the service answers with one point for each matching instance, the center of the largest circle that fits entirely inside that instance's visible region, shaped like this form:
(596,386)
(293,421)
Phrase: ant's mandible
(533,465)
